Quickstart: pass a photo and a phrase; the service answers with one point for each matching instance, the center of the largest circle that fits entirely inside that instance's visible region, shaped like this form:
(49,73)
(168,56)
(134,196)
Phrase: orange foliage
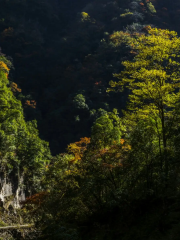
(98,83)
(146,29)
(14,87)
(122,141)
(4,67)
(78,148)
(30,103)
(113,156)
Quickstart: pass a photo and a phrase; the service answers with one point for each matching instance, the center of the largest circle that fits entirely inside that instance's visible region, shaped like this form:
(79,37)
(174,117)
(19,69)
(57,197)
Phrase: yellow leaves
(119,37)
(84,16)
(159,44)
(130,66)
(68,172)
(126,146)
(126,14)
(151,76)
(78,148)
(162,32)
(4,68)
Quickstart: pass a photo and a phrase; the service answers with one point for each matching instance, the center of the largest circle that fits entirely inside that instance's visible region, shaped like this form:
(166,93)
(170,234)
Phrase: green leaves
(106,130)
(20,146)
(152,78)
(153,75)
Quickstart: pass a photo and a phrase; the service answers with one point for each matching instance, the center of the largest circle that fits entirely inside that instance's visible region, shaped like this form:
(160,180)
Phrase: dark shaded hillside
(123,181)
(102,80)
(64,58)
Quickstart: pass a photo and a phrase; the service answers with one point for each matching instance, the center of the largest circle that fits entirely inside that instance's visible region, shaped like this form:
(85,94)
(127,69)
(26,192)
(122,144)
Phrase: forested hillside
(64,57)
(98,80)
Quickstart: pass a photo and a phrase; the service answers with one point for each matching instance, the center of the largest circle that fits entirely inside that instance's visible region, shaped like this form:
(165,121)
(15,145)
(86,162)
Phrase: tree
(152,78)
(106,130)
(21,149)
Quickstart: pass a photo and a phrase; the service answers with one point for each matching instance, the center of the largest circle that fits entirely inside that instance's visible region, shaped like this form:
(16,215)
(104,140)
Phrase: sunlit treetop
(153,75)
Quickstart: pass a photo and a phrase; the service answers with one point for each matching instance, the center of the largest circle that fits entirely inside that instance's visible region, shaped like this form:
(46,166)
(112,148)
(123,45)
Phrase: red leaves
(98,83)
(35,199)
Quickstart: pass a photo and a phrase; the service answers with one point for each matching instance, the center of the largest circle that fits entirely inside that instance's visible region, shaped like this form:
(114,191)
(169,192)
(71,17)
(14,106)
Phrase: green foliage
(85,16)
(151,7)
(106,130)
(105,183)
(153,77)
(21,149)
(153,80)
(80,102)
(127,14)
(110,188)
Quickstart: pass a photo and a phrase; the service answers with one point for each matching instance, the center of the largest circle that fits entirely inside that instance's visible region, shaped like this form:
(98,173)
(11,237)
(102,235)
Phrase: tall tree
(152,78)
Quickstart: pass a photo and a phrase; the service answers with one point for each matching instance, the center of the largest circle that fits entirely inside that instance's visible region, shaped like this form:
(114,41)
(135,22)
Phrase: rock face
(11,191)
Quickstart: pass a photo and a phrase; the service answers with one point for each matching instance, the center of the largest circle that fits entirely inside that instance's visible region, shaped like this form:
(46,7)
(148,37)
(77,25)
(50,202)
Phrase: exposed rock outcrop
(11,191)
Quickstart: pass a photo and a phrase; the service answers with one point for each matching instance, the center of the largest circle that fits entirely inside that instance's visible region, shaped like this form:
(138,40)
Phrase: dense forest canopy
(98,80)
(64,57)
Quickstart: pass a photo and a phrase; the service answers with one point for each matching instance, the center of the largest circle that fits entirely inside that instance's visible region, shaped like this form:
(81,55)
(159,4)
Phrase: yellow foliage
(4,68)
(126,14)
(122,141)
(153,80)
(120,37)
(84,16)
(78,148)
